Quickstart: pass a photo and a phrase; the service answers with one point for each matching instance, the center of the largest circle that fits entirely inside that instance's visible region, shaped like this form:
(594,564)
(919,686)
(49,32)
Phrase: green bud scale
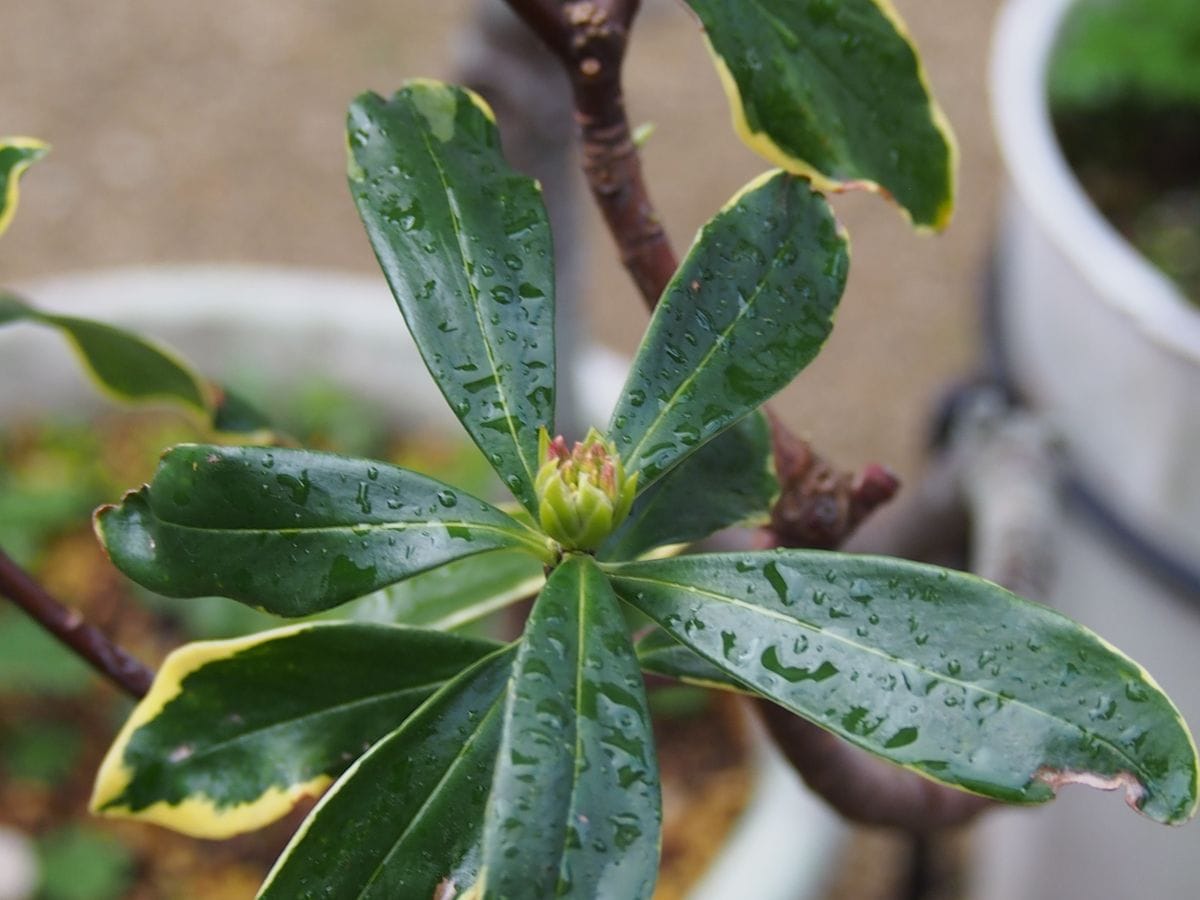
(583,494)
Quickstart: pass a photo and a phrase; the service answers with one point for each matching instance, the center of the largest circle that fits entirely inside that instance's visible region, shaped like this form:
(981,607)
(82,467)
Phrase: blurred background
(213,132)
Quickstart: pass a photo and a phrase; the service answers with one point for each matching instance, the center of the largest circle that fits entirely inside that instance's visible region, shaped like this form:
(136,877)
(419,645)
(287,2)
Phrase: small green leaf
(455,594)
(16,155)
(128,367)
(33,663)
(232,413)
(134,370)
(737,470)
(938,671)
(464,242)
(748,309)
(574,809)
(661,654)
(294,532)
(41,751)
(80,863)
(1142,52)
(406,819)
(835,91)
(234,732)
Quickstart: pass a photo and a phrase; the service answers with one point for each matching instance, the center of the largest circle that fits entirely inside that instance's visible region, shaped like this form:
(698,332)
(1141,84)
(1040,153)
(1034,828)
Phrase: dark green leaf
(835,90)
(80,863)
(464,242)
(232,413)
(407,818)
(234,732)
(16,155)
(134,370)
(737,472)
(125,365)
(574,809)
(938,671)
(661,654)
(455,594)
(294,532)
(130,367)
(748,309)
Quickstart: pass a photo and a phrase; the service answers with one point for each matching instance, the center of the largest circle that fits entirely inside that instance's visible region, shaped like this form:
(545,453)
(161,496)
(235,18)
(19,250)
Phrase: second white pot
(1108,351)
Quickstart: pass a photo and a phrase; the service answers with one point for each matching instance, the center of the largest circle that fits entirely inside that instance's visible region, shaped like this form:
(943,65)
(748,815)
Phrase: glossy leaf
(729,481)
(294,532)
(16,155)
(127,366)
(455,594)
(465,244)
(661,654)
(574,809)
(406,819)
(134,370)
(748,309)
(940,672)
(835,91)
(234,732)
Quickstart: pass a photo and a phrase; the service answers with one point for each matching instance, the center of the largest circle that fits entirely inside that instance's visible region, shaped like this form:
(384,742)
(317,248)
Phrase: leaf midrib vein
(529,540)
(967,685)
(718,344)
(580,655)
(296,720)
(456,221)
(455,764)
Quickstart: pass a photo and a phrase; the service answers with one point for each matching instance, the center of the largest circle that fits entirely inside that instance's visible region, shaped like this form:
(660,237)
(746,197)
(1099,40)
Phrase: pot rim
(1025,36)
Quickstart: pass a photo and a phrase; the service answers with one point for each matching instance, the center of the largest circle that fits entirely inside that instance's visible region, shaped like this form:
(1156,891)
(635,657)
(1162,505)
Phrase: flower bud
(583,494)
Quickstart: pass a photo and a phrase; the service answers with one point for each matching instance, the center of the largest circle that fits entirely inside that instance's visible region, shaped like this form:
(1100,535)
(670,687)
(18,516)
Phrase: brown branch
(68,626)
(820,505)
(590,37)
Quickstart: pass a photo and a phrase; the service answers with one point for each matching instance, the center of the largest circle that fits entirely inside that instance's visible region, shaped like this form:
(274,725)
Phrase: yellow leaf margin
(197,816)
(33,150)
(760,142)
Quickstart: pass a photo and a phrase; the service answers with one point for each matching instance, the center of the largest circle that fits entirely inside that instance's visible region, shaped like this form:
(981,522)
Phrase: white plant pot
(273,323)
(1106,345)
(1109,351)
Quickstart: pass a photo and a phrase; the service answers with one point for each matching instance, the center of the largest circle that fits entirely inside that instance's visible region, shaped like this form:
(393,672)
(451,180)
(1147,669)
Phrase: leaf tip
(436,102)
(27,151)
(98,522)
(196,814)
